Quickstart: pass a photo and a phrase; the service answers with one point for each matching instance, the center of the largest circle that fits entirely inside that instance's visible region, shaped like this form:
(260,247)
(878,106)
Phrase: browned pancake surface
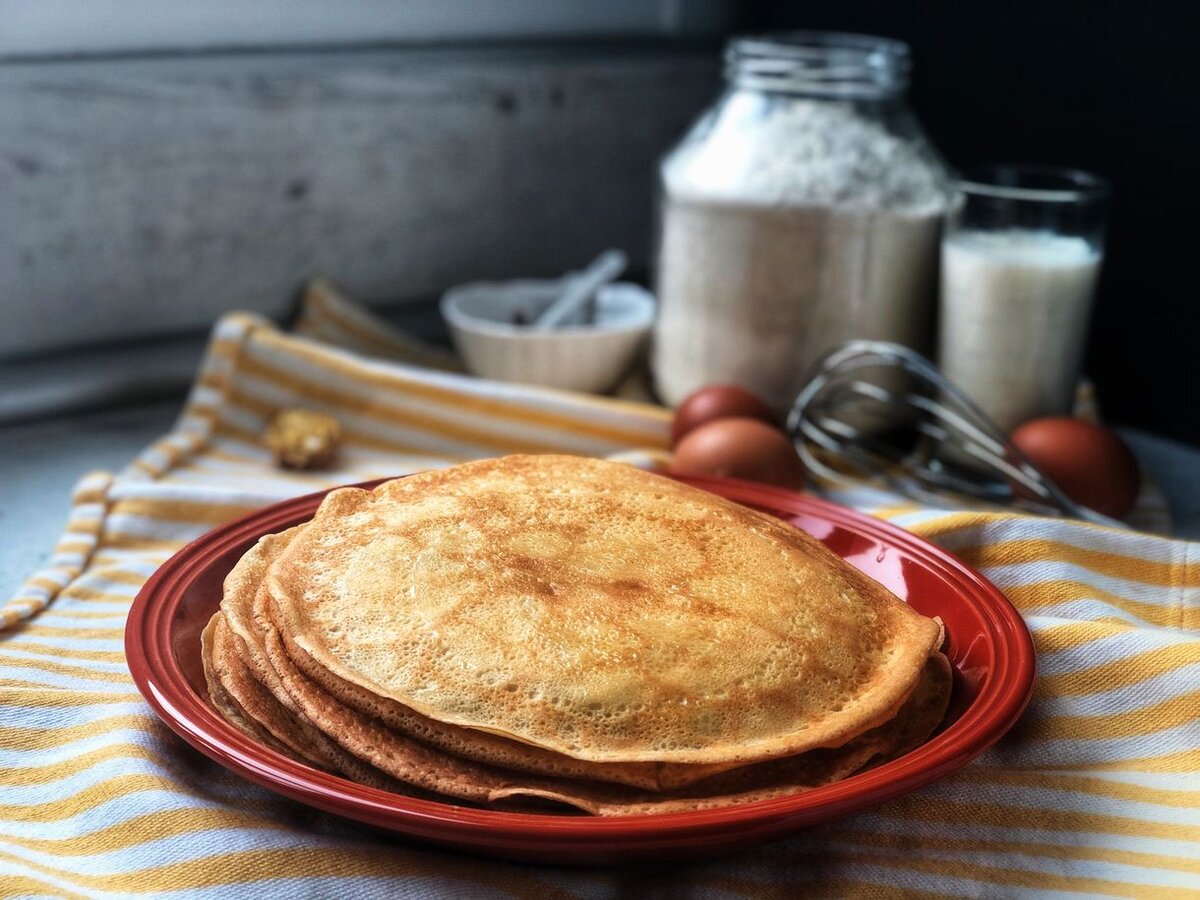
(597,611)
(429,769)
(273,679)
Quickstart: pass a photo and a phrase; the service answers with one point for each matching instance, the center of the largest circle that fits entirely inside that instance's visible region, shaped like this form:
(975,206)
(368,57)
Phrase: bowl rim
(456,317)
(159,677)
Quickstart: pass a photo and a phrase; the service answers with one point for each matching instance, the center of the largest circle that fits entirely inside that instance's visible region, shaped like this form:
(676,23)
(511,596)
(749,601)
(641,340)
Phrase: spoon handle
(603,269)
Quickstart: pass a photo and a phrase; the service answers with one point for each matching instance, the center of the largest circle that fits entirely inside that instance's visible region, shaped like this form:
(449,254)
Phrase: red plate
(987,642)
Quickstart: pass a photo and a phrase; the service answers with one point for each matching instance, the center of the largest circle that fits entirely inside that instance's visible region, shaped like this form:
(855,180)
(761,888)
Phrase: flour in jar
(785,233)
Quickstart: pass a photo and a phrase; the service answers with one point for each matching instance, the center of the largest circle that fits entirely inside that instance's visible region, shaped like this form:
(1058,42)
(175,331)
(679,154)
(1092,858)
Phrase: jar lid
(819,63)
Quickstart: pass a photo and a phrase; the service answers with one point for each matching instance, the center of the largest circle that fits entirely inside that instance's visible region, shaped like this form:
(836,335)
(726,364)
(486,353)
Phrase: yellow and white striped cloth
(1097,790)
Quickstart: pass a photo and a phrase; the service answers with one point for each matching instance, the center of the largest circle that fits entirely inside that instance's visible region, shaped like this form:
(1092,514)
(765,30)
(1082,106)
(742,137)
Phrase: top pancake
(598,611)
(241,611)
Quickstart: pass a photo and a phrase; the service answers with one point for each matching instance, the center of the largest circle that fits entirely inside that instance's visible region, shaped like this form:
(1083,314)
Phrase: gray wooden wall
(142,197)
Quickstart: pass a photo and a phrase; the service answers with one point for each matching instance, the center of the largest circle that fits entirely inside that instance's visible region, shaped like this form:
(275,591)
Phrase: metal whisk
(882,412)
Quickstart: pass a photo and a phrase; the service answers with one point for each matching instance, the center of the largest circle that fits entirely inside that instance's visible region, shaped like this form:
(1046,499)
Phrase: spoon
(603,269)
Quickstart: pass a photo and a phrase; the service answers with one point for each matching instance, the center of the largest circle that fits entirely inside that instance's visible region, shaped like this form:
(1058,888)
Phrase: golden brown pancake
(225,704)
(429,769)
(490,749)
(911,727)
(271,684)
(256,712)
(597,611)
(237,659)
(243,587)
(241,584)
(263,717)
(232,671)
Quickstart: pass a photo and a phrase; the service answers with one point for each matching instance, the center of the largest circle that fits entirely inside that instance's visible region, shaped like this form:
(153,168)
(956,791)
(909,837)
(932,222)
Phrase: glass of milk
(1020,259)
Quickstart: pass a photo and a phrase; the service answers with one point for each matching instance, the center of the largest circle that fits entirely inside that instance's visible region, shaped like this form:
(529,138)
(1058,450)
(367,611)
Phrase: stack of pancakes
(548,630)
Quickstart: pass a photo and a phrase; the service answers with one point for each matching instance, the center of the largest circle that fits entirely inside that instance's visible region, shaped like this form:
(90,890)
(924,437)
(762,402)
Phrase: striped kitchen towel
(1096,791)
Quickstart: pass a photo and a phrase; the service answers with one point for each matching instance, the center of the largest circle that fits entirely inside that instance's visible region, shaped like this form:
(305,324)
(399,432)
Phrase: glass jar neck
(819,64)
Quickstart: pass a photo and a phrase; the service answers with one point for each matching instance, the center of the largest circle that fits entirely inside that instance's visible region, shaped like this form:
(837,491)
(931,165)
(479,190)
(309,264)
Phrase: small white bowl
(482,319)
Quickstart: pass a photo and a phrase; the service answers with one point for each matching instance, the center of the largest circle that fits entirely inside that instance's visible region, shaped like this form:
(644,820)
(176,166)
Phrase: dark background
(1111,87)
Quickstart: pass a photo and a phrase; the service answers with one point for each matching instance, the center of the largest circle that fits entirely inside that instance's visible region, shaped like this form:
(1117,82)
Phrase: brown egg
(718,401)
(739,448)
(1091,464)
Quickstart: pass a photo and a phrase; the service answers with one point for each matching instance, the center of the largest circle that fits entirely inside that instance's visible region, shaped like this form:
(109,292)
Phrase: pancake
(598,612)
(244,701)
(276,726)
(221,699)
(447,775)
(268,682)
(911,727)
(245,580)
(236,656)
(236,688)
(487,748)
(279,715)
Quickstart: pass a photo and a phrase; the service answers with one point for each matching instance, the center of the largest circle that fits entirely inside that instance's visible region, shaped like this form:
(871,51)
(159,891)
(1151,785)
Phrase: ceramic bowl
(484,323)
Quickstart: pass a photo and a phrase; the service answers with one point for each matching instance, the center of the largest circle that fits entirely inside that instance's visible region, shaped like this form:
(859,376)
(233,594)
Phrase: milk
(1014,314)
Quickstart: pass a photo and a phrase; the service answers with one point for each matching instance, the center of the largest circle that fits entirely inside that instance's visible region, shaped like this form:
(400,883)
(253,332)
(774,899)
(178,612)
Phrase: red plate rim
(164,685)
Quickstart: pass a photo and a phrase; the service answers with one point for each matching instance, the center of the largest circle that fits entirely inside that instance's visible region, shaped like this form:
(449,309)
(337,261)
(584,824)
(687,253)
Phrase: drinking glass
(1021,254)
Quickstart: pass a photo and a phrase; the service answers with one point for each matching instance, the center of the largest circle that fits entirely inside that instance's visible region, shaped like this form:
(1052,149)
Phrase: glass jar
(803,209)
